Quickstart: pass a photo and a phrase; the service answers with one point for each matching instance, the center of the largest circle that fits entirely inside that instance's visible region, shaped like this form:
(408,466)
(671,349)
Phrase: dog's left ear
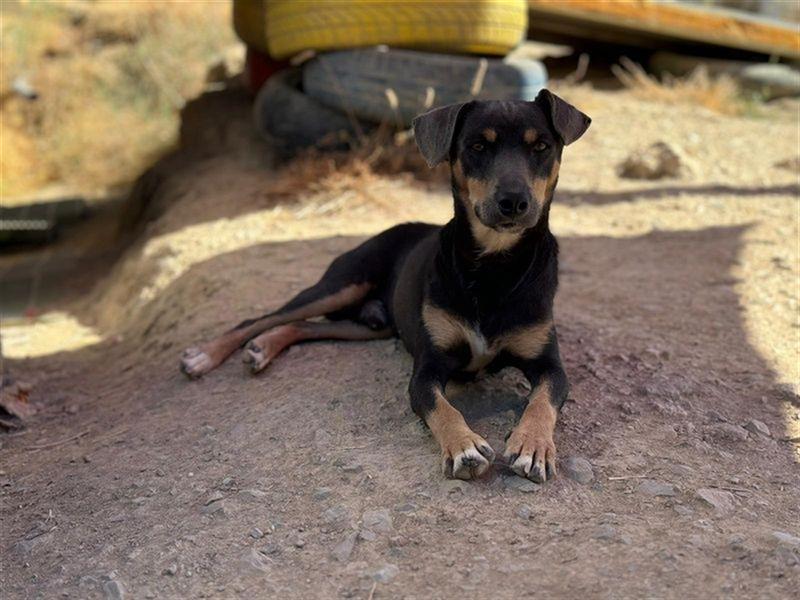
(568,121)
(433,132)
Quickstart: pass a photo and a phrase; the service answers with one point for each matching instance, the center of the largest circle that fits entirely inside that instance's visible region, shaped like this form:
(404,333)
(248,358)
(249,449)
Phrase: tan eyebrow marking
(530,136)
(490,134)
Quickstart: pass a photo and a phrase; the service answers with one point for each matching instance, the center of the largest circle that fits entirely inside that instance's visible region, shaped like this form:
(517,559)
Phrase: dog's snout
(513,204)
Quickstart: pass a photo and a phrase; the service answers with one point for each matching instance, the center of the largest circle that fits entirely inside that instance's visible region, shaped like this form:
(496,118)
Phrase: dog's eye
(540,147)
(478,147)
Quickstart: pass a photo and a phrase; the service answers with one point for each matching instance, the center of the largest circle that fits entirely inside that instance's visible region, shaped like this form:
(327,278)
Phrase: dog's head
(504,155)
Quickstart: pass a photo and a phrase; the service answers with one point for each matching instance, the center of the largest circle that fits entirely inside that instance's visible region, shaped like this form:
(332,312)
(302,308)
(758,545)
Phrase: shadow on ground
(163,488)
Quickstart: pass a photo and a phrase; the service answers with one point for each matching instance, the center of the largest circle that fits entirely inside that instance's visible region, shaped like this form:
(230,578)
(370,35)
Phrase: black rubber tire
(291,120)
(394,86)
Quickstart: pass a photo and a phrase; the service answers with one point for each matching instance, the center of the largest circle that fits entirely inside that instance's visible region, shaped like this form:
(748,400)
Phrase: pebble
(113,589)
(526,486)
(214,498)
(344,549)
(335,514)
(757,427)
(253,493)
(406,508)
(367,535)
(170,570)
(727,432)
(256,533)
(578,469)
(786,538)
(386,573)
(299,543)
(525,512)
(723,502)
(651,487)
(220,507)
(605,532)
(378,521)
(270,548)
(321,493)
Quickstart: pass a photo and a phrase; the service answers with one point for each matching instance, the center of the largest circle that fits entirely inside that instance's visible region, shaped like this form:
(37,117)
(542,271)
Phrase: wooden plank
(649,23)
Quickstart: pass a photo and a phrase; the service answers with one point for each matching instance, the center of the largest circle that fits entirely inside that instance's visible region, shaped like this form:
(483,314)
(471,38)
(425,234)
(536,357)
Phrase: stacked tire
(440,52)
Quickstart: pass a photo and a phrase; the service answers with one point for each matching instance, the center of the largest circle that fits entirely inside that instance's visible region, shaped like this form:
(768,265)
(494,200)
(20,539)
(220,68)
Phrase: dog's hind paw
(195,363)
(256,357)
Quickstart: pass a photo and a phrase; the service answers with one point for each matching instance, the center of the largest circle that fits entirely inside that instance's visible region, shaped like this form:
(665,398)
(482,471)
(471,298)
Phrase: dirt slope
(678,319)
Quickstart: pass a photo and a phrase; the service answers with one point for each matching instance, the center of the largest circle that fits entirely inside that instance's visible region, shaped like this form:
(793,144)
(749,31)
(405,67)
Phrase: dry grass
(111,78)
(720,94)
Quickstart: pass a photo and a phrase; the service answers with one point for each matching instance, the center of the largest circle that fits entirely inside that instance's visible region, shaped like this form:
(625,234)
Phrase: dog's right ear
(433,132)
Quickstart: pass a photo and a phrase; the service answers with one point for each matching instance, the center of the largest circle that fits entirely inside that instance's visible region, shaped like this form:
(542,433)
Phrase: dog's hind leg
(318,300)
(264,348)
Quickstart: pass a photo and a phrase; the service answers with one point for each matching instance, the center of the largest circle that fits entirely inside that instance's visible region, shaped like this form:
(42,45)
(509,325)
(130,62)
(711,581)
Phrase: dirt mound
(314,480)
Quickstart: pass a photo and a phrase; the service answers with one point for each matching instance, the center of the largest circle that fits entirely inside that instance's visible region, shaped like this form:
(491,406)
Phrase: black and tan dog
(474,294)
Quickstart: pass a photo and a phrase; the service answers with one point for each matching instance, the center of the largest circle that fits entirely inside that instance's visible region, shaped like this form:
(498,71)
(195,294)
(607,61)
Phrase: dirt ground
(678,318)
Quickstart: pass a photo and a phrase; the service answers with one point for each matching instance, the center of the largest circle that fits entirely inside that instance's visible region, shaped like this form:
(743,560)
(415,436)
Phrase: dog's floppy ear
(433,132)
(568,121)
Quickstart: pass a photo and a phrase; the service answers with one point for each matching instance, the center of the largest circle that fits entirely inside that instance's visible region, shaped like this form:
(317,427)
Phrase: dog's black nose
(513,205)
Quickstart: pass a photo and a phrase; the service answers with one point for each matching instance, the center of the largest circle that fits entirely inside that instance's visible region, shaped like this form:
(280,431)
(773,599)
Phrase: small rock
(657,161)
(525,512)
(715,417)
(227,483)
(344,549)
(170,570)
(386,573)
(220,507)
(726,432)
(526,486)
(379,521)
(352,468)
(113,589)
(578,469)
(757,427)
(406,508)
(216,496)
(256,533)
(335,515)
(253,493)
(299,543)
(651,487)
(723,502)
(683,511)
(270,548)
(321,493)
(367,536)
(605,532)
(786,538)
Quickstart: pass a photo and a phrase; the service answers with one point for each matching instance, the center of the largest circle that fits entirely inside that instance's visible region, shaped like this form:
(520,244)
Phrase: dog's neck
(493,275)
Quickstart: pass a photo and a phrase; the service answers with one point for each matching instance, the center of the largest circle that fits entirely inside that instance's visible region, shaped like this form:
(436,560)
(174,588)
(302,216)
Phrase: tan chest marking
(447,331)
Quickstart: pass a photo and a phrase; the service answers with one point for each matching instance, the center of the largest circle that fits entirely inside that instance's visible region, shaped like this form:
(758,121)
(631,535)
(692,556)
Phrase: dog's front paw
(466,456)
(531,454)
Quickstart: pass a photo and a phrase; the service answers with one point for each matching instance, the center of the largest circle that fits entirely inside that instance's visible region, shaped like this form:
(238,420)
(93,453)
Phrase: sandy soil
(678,315)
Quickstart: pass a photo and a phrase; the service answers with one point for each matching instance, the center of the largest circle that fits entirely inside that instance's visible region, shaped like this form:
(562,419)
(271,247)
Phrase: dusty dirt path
(678,318)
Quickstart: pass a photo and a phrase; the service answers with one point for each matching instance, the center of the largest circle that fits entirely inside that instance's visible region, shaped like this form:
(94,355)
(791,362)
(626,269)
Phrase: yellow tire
(284,28)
